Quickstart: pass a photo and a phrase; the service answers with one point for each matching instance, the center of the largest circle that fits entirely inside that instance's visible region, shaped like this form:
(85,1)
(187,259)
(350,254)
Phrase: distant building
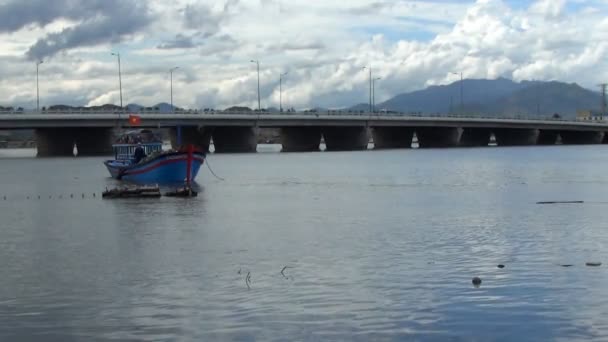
(589,115)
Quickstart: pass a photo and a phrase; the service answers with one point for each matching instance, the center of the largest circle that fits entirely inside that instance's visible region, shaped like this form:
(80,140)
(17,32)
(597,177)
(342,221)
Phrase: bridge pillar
(516,136)
(547,137)
(392,137)
(93,141)
(199,137)
(300,139)
(581,137)
(55,142)
(228,139)
(475,137)
(345,138)
(438,136)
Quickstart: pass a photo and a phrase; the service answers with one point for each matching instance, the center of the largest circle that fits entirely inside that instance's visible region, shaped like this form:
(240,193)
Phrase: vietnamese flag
(134,120)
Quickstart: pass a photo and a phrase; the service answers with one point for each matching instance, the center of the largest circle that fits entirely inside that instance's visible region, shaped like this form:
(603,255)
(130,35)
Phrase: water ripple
(380,246)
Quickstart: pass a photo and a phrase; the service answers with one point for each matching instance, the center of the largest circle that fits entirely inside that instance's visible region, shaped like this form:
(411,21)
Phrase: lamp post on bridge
(171,77)
(370,87)
(258,68)
(461,91)
(374,93)
(117,54)
(281,91)
(37,87)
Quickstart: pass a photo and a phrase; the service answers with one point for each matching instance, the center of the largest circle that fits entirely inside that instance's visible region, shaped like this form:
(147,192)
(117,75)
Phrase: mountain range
(497,97)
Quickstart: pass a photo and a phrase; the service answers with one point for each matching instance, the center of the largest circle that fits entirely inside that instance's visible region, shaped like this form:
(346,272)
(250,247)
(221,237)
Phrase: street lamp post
(171,77)
(258,68)
(461,91)
(37,87)
(281,91)
(374,93)
(117,54)
(370,87)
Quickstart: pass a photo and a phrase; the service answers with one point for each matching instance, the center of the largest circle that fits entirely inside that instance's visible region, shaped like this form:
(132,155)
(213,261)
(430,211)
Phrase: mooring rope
(213,173)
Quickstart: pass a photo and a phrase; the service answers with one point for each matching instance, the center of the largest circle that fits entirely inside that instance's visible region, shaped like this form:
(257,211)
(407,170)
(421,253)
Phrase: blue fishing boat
(139,158)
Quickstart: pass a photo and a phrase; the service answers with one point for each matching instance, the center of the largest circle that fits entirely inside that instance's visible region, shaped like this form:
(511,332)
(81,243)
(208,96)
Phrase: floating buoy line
(119,192)
(82,195)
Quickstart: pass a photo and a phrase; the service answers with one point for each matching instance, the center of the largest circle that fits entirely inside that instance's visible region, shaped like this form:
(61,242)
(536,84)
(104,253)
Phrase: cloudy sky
(322,45)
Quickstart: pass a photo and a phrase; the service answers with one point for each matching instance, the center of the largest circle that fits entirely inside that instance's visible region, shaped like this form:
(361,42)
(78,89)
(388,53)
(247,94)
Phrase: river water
(379,245)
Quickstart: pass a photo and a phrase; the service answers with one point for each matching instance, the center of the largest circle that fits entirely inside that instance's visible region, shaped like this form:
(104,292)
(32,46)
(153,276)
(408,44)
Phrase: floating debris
(137,192)
(182,192)
(500,266)
(593,264)
(566,265)
(561,202)
(476,281)
(283,270)
(248,280)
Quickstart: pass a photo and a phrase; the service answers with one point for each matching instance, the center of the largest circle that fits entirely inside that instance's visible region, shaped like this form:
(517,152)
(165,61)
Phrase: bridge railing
(371,115)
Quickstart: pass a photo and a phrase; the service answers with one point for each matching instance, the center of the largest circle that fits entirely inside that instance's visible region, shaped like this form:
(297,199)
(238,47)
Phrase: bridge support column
(581,137)
(346,138)
(547,137)
(227,139)
(438,136)
(93,141)
(199,137)
(475,137)
(392,137)
(516,136)
(55,142)
(300,139)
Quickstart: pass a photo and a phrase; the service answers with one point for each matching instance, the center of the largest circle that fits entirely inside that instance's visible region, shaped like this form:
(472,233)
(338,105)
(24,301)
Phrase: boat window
(126,151)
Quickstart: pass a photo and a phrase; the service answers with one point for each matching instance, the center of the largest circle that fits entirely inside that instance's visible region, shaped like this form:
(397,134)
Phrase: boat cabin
(124,148)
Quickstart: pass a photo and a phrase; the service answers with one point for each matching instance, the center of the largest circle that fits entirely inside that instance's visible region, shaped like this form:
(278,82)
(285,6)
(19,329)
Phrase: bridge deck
(31,121)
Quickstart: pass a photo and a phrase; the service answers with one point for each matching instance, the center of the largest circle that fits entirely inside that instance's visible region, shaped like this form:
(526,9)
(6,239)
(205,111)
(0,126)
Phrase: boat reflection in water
(139,158)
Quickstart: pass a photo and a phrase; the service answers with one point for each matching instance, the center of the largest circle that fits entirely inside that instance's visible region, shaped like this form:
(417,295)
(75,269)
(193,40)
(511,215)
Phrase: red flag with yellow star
(134,120)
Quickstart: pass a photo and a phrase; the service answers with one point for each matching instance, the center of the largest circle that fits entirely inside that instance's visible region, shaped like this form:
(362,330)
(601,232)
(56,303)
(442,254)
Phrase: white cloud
(323,45)
(550,9)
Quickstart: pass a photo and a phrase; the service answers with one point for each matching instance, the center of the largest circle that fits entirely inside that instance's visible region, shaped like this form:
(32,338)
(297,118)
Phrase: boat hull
(166,168)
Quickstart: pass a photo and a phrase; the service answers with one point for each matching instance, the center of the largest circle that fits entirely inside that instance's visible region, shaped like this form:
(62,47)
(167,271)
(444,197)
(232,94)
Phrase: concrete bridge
(92,132)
